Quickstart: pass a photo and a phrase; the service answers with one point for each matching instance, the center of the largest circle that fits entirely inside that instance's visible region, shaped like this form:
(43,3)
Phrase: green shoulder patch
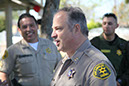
(101,71)
(5,55)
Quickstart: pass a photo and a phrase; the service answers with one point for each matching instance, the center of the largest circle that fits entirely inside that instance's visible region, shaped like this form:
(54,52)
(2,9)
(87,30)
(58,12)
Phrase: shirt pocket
(51,60)
(25,65)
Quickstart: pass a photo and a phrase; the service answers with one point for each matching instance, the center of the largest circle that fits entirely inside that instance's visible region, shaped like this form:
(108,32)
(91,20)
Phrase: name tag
(105,51)
(21,56)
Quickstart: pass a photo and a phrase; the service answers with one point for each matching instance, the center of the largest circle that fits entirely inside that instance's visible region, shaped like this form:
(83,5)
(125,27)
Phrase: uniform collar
(77,55)
(25,44)
(114,42)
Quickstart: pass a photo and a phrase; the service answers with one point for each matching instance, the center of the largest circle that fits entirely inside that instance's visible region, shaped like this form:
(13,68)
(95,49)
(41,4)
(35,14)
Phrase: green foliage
(126,1)
(15,14)
(62,3)
(88,9)
(92,24)
(122,14)
(2,19)
(2,23)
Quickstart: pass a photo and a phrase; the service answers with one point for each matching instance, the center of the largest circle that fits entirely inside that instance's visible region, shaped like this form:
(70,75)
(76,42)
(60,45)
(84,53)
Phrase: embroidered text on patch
(101,71)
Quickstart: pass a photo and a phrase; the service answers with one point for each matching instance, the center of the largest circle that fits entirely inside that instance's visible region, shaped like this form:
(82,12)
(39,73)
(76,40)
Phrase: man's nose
(53,35)
(28,28)
(106,24)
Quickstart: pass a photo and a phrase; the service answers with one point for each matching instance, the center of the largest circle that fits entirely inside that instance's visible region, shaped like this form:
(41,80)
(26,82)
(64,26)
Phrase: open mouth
(57,42)
(29,33)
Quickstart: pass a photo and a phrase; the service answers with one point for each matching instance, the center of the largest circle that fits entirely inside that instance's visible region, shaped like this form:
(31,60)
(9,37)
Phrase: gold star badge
(119,52)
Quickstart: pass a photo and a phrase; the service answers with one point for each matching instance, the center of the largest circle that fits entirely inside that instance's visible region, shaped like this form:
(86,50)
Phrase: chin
(59,49)
(107,34)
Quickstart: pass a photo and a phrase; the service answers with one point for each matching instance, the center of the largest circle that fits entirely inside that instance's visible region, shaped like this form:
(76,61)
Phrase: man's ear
(117,25)
(19,30)
(77,28)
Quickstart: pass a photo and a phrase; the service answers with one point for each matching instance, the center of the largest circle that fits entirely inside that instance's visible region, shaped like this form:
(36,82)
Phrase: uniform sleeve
(7,62)
(101,74)
(123,73)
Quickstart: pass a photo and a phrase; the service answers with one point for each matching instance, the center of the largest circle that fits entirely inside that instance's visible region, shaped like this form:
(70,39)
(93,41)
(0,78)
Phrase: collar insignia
(76,59)
(48,50)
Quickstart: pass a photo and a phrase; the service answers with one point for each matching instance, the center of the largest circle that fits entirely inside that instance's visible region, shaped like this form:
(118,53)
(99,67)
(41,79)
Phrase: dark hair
(110,15)
(76,16)
(24,15)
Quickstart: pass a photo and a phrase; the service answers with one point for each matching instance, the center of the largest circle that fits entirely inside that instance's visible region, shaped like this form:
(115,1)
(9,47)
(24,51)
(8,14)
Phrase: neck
(76,44)
(109,38)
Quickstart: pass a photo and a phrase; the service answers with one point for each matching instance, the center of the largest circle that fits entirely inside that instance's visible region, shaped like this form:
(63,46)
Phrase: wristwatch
(120,81)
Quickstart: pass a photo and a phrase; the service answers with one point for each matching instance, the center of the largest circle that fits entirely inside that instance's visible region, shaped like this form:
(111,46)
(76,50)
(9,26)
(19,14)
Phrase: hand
(118,84)
(4,83)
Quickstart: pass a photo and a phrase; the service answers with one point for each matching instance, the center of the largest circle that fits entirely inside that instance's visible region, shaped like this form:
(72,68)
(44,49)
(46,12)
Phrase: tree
(50,8)
(127,1)
(2,19)
(87,9)
(2,23)
(92,24)
(122,13)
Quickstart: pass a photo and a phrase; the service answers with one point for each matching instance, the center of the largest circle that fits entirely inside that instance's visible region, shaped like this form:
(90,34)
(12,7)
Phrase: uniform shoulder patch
(5,55)
(1,64)
(101,71)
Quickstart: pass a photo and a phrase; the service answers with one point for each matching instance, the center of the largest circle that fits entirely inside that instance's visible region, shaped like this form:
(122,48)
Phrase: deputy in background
(114,47)
(32,60)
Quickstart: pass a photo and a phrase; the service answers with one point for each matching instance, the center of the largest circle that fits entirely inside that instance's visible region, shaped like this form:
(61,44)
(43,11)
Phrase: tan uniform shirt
(31,67)
(89,67)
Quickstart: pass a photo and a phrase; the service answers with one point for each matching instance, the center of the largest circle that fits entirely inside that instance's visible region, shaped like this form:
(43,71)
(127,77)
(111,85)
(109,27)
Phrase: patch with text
(101,71)
(5,55)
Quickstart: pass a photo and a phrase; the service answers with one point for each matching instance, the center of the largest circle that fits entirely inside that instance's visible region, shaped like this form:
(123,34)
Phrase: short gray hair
(76,16)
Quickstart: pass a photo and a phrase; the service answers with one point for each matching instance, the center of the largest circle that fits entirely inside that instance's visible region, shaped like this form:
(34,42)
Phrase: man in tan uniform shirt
(83,65)
(33,59)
